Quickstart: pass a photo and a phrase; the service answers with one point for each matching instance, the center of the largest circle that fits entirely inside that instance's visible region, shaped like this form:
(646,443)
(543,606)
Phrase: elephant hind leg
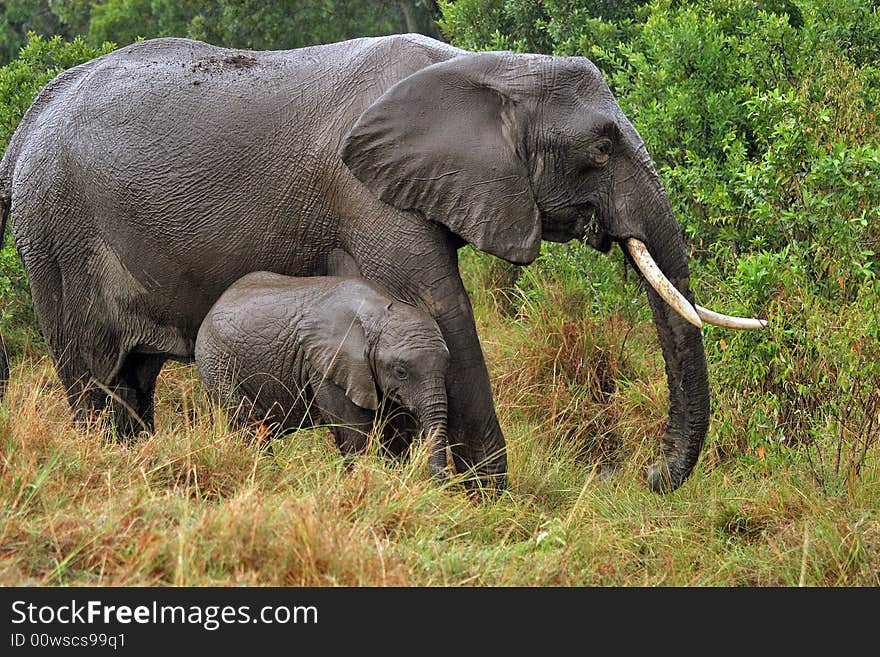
(87,399)
(90,324)
(126,395)
(134,390)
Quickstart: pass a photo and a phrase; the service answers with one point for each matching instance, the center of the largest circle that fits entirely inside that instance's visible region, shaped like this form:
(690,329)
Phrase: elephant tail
(5,202)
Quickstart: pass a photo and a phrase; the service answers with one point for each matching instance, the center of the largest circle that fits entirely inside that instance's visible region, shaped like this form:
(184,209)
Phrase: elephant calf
(301,352)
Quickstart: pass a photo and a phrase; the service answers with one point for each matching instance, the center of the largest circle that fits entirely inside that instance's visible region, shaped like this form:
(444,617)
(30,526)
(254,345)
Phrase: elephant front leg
(418,262)
(349,423)
(474,434)
(475,437)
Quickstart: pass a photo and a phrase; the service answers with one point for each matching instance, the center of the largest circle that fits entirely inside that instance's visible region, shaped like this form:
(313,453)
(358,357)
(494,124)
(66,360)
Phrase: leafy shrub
(764,134)
(495,24)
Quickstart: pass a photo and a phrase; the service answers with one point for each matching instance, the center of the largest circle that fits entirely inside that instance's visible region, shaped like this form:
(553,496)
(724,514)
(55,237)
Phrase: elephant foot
(439,473)
(484,480)
(662,477)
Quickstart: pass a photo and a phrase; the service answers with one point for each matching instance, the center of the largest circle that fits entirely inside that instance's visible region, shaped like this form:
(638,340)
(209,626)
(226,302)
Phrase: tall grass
(200,504)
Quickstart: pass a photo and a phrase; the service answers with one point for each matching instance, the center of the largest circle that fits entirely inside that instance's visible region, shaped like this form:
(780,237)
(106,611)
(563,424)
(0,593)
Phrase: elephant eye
(602,152)
(400,372)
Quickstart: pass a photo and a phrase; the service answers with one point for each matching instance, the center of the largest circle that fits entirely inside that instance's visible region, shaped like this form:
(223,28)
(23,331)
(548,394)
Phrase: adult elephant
(144,182)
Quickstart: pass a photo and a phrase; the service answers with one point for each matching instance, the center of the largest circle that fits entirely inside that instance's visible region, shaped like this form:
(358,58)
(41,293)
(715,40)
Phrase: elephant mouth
(581,222)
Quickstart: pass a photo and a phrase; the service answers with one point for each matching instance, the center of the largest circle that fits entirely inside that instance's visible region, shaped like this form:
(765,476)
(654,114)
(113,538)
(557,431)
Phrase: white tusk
(660,283)
(728,321)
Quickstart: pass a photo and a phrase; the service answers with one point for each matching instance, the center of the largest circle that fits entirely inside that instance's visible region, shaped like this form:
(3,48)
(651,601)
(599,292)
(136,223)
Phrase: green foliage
(18,17)
(517,25)
(262,24)
(73,13)
(766,140)
(122,21)
(545,26)
(256,23)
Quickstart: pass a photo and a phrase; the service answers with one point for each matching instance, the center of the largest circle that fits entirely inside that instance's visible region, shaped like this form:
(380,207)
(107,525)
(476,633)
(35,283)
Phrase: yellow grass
(199,504)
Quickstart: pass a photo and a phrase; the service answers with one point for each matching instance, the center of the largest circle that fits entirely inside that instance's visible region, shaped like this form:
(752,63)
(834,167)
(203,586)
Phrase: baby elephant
(303,352)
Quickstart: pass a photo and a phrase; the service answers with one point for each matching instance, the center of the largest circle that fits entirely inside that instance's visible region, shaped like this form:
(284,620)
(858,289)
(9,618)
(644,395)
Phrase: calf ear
(336,349)
(449,142)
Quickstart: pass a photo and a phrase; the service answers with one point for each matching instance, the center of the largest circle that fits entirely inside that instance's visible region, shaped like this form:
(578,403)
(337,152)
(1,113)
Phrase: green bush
(516,25)
(561,27)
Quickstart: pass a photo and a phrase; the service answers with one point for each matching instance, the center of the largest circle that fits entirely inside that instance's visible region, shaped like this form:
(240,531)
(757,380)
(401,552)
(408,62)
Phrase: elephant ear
(449,142)
(335,346)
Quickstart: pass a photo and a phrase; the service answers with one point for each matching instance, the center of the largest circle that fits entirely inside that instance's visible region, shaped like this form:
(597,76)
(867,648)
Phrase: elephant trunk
(688,382)
(432,418)
(680,339)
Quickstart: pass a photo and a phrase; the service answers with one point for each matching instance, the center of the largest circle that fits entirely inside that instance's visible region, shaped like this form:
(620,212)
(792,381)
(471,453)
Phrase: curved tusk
(728,321)
(660,283)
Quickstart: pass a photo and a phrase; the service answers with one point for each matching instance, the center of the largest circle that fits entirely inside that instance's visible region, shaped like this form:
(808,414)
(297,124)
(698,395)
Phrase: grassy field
(583,407)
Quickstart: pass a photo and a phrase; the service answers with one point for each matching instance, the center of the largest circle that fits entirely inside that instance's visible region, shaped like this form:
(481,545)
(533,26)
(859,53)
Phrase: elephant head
(362,340)
(506,150)
(409,358)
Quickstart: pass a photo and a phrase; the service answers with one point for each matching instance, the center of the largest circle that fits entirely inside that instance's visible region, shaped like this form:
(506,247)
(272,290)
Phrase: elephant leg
(61,327)
(86,399)
(134,389)
(84,373)
(127,395)
(398,430)
(349,423)
(88,330)
(94,384)
(475,437)
(422,269)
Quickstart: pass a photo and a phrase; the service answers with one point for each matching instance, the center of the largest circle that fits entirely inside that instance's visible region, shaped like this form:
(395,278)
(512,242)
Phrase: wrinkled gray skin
(144,182)
(303,352)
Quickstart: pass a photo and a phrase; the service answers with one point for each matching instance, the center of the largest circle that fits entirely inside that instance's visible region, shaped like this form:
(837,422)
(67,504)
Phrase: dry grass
(199,504)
